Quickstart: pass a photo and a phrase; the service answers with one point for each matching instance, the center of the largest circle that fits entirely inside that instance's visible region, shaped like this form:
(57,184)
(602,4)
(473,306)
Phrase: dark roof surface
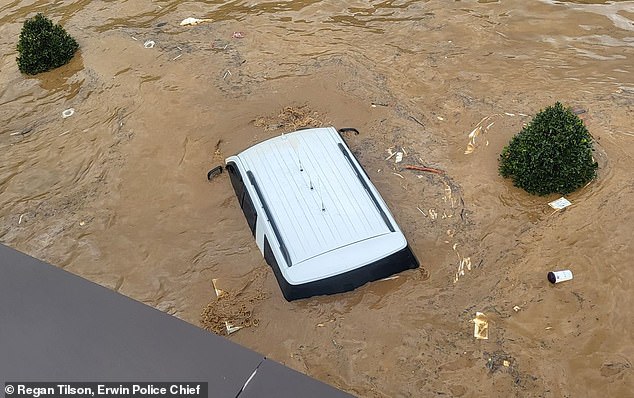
(56,326)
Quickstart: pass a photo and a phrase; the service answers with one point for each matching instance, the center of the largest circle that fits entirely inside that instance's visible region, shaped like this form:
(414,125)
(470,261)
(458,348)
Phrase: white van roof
(317,194)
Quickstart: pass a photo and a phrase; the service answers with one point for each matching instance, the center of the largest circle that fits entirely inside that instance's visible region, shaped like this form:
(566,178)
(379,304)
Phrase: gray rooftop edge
(56,326)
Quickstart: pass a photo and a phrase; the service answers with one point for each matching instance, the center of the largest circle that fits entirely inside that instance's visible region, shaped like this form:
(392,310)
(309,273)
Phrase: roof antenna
(321,198)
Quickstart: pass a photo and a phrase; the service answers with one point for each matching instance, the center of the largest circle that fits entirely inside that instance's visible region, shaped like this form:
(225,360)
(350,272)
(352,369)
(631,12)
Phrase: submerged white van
(315,215)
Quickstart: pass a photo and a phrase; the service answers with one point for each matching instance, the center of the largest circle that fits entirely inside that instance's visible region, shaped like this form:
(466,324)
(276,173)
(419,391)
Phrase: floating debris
(480,326)
(417,121)
(517,308)
(559,276)
(389,278)
(422,168)
(219,292)
(231,328)
(399,157)
(560,203)
(476,132)
(149,44)
(68,113)
(463,263)
(193,21)
(472,140)
(238,35)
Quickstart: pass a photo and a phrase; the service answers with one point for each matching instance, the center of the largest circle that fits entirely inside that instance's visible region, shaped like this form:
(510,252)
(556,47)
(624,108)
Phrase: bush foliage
(552,154)
(43,46)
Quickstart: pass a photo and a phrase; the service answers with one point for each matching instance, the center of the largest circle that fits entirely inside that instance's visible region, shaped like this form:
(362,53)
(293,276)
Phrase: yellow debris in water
(480,326)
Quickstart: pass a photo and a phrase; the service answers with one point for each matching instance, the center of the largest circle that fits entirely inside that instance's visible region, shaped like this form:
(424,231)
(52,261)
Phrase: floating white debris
(559,276)
(149,44)
(517,308)
(480,326)
(231,329)
(389,278)
(68,113)
(219,292)
(399,157)
(560,203)
(193,21)
(472,139)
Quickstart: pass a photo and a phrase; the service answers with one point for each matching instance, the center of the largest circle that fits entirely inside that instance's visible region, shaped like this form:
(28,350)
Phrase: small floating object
(399,157)
(560,203)
(422,168)
(480,326)
(219,292)
(149,44)
(559,276)
(193,21)
(68,113)
(238,35)
(231,329)
(214,172)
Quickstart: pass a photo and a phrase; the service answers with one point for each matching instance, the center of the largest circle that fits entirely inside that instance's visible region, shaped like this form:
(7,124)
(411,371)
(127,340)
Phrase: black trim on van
(267,212)
(367,188)
(244,199)
(390,265)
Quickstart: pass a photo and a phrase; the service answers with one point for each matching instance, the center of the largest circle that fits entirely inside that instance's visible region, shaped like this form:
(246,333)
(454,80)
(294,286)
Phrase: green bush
(43,46)
(552,154)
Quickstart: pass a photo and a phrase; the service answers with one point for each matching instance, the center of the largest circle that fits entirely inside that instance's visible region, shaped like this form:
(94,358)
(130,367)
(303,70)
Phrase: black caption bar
(105,390)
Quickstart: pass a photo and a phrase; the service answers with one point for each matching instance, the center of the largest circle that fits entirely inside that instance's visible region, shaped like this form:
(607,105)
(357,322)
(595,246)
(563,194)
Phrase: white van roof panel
(314,194)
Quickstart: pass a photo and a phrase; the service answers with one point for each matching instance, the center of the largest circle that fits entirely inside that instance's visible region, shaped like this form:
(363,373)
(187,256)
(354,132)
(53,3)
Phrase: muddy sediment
(118,193)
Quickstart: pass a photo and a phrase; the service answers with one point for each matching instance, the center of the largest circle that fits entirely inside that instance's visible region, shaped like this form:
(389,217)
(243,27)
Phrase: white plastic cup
(559,276)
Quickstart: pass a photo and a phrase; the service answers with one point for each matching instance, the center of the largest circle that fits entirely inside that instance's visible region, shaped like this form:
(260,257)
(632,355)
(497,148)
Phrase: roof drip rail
(276,231)
(367,188)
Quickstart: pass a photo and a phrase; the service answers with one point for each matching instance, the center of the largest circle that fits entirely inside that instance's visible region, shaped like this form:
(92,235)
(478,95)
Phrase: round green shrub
(552,154)
(43,46)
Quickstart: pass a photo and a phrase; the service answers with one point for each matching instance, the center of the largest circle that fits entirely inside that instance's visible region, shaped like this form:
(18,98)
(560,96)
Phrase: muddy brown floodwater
(117,193)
